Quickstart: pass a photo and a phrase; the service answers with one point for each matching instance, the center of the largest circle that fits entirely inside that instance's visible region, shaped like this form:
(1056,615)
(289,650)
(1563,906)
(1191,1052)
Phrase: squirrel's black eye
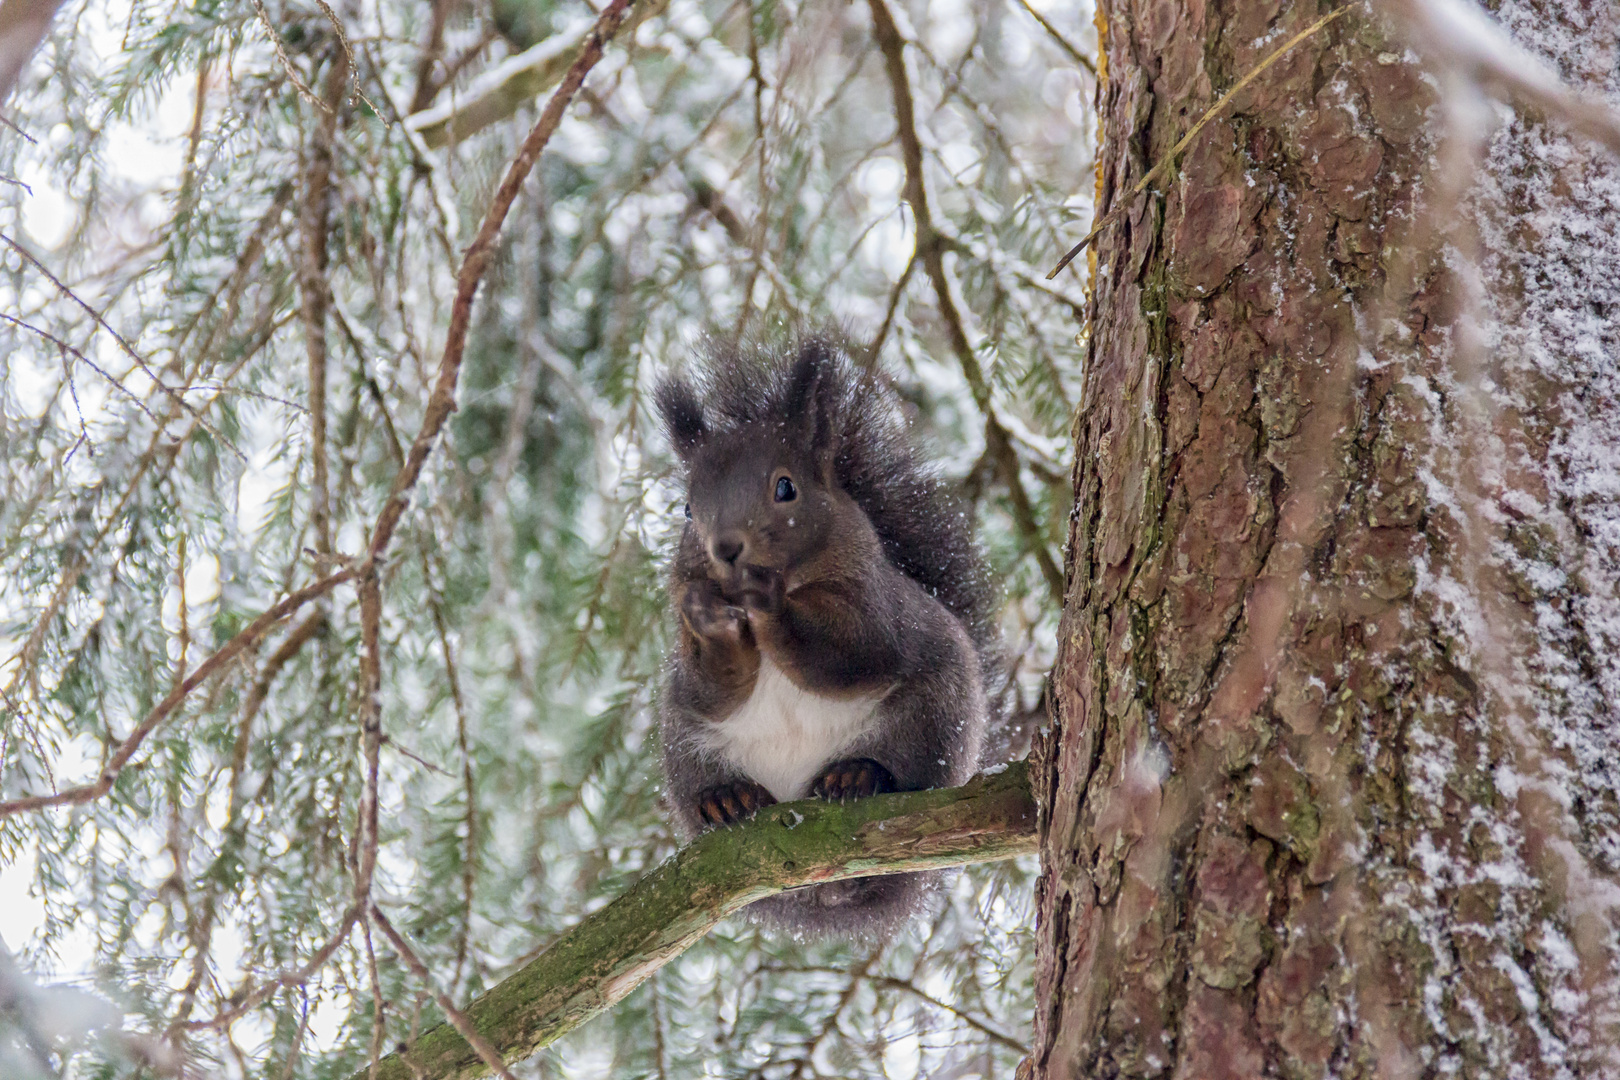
(688,511)
(785,491)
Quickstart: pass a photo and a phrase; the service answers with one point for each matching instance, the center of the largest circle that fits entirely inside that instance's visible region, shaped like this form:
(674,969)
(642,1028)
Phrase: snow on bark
(1544,476)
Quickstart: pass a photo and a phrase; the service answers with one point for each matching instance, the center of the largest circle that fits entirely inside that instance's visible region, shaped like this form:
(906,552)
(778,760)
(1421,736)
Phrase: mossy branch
(609,953)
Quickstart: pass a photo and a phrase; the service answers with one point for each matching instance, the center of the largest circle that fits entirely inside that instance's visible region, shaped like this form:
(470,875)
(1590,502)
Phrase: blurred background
(196,203)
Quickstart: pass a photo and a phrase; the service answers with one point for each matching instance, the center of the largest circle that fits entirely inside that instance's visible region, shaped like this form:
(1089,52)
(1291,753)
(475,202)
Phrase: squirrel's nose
(726,547)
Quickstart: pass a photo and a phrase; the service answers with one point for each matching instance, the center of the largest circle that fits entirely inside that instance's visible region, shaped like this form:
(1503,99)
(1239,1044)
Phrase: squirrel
(836,619)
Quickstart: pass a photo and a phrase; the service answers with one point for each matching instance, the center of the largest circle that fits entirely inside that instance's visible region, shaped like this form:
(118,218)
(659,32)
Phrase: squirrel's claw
(709,615)
(853,778)
(728,804)
(763,591)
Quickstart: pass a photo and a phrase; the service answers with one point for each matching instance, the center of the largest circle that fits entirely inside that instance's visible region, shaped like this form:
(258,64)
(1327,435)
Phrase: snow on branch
(612,951)
(500,91)
(508,86)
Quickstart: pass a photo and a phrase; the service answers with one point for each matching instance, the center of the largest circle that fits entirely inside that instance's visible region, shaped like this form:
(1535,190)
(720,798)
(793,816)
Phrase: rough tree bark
(1330,787)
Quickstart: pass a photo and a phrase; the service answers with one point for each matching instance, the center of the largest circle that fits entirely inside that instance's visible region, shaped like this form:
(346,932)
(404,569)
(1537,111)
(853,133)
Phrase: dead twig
(1079,57)
(286,61)
(352,69)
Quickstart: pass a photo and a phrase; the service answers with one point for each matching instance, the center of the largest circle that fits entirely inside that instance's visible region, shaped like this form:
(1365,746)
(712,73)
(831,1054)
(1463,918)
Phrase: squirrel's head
(761,487)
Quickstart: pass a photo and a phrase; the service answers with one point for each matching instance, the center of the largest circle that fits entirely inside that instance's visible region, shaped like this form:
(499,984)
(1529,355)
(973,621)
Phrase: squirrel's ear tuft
(678,404)
(812,396)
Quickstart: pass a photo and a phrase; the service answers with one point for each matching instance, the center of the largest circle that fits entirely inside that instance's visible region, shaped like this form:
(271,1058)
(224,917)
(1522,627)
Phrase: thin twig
(1079,57)
(67,349)
(286,61)
(236,284)
(348,56)
(1166,163)
(379,1007)
(876,347)
(893,983)
(469,790)
(298,1039)
(967,1018)
(129,350)
(432,53)
(370,732)
(199,109)
(457,1018)
(296,977)
(202,933)
(313,221)
(184,632)
(406,751)
(295,641)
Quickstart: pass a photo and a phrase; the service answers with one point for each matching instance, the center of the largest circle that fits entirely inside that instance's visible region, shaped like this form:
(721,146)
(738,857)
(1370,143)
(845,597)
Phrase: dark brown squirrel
(836,633)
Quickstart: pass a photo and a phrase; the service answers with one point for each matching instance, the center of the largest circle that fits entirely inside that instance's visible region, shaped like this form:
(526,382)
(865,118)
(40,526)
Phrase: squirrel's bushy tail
(871,908)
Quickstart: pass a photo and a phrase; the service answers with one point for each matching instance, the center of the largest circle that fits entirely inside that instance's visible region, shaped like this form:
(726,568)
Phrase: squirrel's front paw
(762,591)
(852,778)
(727,804)
(710,616)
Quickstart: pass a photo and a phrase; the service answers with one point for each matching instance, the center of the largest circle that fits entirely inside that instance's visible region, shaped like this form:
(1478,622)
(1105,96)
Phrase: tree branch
(314,223)
(609,953)
(1056,35)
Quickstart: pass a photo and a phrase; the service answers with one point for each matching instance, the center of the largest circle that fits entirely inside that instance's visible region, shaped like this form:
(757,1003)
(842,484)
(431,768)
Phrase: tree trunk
(1330,788)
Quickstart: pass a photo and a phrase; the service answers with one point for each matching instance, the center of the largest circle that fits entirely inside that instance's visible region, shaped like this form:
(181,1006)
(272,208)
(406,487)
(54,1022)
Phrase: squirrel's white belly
(782,735)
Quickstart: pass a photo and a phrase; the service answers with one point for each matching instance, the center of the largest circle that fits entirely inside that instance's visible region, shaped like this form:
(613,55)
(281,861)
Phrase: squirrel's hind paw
(852,778)
(727,804)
